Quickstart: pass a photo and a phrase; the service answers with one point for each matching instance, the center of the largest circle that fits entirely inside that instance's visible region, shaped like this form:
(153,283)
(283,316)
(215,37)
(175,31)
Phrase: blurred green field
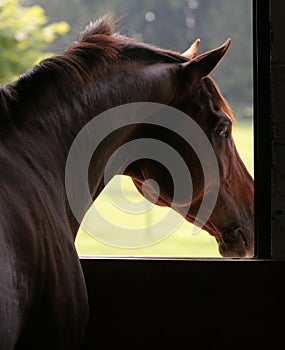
(181,243)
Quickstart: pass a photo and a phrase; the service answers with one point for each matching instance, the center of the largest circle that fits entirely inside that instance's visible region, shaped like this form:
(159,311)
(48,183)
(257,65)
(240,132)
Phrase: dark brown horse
(43,299)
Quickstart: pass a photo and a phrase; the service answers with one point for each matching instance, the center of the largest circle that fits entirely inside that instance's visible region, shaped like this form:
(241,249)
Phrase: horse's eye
(223,130)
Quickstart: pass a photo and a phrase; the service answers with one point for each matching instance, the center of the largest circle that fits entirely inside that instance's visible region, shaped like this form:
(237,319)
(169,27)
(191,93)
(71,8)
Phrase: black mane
(100,45)
(130,47)
(82,64)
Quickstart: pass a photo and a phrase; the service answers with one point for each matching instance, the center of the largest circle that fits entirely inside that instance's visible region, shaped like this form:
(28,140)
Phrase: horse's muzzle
(237,243)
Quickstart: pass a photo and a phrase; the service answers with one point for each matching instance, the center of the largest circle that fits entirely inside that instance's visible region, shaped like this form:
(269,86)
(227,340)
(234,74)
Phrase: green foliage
(24,37)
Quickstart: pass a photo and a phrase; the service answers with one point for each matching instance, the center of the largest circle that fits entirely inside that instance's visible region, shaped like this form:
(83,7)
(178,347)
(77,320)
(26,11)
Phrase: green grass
(180,243)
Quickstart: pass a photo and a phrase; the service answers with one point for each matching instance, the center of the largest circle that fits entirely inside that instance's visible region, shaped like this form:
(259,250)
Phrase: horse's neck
(128,83)
(56,114)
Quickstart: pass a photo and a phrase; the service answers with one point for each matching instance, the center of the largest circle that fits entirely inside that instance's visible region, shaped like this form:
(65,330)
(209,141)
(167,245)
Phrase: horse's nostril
(241,232)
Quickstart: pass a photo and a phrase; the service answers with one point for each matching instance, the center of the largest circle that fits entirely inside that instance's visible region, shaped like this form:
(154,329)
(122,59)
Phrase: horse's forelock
(211,89)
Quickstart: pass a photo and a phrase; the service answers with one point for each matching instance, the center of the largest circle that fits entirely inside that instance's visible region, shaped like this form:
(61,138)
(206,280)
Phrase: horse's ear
(202,65)
(192,51)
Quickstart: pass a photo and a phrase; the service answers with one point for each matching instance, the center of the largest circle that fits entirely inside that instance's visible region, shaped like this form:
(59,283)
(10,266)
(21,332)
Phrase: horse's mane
(82,63)
(98,47)
(128,48)
(86,61)
(3,101)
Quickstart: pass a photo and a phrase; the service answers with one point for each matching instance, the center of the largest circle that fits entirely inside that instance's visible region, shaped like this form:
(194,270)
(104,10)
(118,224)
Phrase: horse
(43,297)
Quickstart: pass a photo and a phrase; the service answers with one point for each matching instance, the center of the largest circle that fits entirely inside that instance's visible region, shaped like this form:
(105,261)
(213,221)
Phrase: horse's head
(114,70)
(197,95)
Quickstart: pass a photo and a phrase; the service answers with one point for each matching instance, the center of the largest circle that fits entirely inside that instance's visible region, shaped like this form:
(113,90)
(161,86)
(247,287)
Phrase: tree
(24,37)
